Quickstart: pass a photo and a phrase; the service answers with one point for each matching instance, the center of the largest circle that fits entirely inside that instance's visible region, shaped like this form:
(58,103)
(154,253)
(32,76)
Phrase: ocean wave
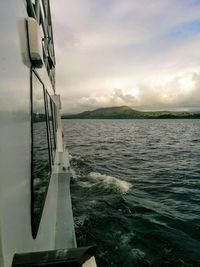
(109,182)
(70,157)
(160,159)
(74,157)
(80,165)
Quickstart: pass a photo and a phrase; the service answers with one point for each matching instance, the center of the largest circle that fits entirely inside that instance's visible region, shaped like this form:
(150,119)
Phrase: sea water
(136,190)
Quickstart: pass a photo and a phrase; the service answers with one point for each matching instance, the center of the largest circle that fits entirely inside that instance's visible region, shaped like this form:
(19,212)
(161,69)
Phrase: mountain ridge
(125,112)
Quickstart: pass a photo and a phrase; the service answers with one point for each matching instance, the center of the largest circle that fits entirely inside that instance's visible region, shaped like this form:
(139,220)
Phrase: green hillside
(125,112)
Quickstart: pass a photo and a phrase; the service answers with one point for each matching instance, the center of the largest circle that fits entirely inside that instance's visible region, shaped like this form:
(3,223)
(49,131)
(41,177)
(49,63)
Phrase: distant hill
(125,112)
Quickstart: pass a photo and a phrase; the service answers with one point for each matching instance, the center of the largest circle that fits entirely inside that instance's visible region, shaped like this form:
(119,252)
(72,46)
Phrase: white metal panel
(15,144)
(90,263)
(65,234)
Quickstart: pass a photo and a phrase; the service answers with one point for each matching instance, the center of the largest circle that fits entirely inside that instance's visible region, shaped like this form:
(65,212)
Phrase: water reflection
(51,126)
(41,166)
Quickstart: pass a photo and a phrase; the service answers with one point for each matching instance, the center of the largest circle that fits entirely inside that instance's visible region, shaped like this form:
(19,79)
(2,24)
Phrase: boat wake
(108,183)
(101,183)
(95,181)
(136,195)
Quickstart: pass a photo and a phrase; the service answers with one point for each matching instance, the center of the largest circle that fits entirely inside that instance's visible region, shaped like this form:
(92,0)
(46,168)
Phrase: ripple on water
(137,190)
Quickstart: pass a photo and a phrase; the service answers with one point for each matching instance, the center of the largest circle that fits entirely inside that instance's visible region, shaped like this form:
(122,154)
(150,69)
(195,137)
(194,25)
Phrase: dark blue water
(136,194)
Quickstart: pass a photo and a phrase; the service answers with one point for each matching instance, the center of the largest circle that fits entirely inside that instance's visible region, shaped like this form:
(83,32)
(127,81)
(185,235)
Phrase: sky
(144,54)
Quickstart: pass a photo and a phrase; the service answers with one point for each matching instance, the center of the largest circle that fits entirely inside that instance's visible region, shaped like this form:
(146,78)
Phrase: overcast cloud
(144,54)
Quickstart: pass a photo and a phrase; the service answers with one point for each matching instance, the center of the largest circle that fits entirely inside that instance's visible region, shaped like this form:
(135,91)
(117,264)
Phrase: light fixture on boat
(35,42)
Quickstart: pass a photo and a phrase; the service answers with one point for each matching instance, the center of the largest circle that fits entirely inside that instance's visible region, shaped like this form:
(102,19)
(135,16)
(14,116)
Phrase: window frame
(35,227)
(51,123)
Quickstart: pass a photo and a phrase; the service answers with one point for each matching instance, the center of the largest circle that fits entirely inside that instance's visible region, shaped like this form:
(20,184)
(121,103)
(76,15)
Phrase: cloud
(181,91)
(131,45)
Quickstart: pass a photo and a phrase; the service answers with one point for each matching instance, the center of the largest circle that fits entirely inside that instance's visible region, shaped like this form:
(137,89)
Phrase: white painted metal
(56,230)
(65,235)
(56,227)
(90,263)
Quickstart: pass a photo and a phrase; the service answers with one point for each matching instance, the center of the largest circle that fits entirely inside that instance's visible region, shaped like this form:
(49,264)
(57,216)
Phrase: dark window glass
(41,167)
(51,126)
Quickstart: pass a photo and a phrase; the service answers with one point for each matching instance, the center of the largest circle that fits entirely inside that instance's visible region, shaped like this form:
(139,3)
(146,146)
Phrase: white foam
(138,254)
(85,184)
(110,182)
(74,157)
(36,181)
(70,157)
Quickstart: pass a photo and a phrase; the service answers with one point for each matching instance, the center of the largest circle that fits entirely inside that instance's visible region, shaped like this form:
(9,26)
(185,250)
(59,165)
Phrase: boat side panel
(15,142)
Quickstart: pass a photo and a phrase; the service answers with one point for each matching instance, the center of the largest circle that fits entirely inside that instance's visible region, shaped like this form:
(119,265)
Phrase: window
(40,10)
(41,164)
(52,130)
(55,116)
